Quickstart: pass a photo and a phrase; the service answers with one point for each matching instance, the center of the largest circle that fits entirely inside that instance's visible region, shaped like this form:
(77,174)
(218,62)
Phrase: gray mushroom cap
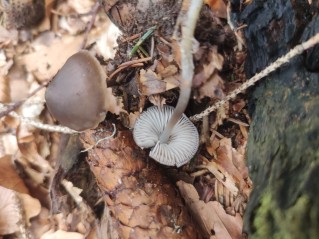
(183,141)
(76,95)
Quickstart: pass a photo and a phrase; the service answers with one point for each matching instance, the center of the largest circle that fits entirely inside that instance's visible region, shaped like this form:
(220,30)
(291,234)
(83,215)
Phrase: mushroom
(172,135)
(76,95)
(183,140)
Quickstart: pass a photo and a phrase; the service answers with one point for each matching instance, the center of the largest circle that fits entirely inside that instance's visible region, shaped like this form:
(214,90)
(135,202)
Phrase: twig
(240,41)
(152,47)
(133,37)
(39,125)
(297,50)
(94,12)
(100,140)
(124,66)
(237,122)
(165,41)
(135,61)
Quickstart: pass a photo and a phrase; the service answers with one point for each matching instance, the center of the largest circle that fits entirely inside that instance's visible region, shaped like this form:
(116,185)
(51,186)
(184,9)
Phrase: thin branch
(128,63)
(100,140)
(187,63)
(39,125)
(94,12)
(297,50)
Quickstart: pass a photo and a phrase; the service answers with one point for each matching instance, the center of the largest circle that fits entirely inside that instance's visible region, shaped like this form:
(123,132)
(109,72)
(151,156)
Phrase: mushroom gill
(182,143)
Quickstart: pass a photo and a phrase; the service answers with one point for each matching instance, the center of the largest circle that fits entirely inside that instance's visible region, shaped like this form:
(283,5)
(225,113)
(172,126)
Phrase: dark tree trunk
(283,155)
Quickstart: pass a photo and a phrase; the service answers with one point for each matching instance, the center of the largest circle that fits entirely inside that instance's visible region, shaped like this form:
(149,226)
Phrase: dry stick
(133,63)
(297,50)
(118,70)
(133,37)
(94,11)
(240,41)
(39,125)
(100,140)
(128,63)
(187,67)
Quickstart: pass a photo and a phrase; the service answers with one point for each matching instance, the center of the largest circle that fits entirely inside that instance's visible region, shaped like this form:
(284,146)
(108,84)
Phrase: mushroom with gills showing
(171,135)
(76,97)
(183,140)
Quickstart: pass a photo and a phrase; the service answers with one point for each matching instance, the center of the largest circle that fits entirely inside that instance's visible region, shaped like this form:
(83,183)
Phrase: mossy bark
(283,153)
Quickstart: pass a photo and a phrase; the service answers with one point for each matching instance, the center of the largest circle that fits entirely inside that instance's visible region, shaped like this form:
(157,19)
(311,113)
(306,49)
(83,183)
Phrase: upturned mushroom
(182,142)
(76,96)
(171,135)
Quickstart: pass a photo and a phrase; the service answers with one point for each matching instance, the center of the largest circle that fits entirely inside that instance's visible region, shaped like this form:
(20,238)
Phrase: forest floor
(133,195)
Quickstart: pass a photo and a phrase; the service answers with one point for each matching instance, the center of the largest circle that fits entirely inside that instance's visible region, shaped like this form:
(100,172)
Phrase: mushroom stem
(187,67)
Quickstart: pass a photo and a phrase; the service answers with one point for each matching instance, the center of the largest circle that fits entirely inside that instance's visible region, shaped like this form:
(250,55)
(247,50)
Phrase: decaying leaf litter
(128,195)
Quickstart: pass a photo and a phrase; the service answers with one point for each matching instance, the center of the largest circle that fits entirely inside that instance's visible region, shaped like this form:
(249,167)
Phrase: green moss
(296,222)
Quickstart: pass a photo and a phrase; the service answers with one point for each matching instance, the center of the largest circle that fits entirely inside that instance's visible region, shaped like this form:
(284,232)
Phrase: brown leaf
(48,48)
(9,177)
(209,64)
(5,64)
(157,100)
(212,88)
(60,234)
(4,89)
(238,106)
(218,7)
(8,36)
(9,211)
(168,71)
(211,216)
(42,223)
(231,160)
(151,83)
(31,206)
(223,176)
(113,104)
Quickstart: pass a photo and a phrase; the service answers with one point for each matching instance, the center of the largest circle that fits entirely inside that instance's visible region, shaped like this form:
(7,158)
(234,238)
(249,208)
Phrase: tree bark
(283,155)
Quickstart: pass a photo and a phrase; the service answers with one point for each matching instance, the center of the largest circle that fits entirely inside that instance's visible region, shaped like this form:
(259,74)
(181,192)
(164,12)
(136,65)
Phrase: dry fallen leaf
(47,59)
(212,88)
(211,216)
(229,167)
(218,7)
(223,176)
(9,177)
(9,211)
(113,104)
(31,206)
(8,36)
(60,234)
(232,160)
(4,89)
(42,223)
(210,62)
(150,83)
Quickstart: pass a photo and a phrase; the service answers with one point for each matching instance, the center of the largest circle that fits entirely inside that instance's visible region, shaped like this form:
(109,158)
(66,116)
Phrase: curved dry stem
(187,67)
